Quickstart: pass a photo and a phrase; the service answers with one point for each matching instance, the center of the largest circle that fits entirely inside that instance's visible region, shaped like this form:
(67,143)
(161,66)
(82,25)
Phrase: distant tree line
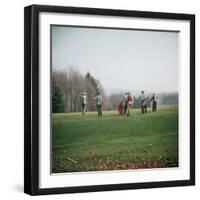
(168,98)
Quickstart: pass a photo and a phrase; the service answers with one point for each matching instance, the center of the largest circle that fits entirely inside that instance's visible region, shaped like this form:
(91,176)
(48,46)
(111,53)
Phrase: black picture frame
(31,98)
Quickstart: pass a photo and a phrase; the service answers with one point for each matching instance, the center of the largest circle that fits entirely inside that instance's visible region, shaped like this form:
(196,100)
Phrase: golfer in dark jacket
(154,103)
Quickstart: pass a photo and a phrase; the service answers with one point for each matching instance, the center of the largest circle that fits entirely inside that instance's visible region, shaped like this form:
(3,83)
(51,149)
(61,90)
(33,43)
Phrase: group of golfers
(98,99)
(125,105)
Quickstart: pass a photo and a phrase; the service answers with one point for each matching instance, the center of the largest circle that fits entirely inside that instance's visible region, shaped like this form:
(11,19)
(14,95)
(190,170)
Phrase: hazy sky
(120,59)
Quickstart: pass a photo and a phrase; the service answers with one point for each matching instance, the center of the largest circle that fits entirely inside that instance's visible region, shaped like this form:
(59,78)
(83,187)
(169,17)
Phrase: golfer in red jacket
(121,108)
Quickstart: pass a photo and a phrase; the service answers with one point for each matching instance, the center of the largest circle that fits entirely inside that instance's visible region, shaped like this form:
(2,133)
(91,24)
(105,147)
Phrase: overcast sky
(120,59)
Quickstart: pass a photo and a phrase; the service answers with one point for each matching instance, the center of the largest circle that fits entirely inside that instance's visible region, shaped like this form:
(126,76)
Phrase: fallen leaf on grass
(70,159)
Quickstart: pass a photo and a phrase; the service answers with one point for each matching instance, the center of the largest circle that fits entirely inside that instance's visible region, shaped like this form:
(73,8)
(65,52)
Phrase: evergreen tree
(93,81)
(57,100)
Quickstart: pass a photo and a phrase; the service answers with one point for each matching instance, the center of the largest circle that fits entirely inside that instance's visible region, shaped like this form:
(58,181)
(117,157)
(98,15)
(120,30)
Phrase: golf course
(115,142)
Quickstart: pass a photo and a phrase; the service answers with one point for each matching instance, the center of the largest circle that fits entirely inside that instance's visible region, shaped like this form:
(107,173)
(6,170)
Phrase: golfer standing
(125,102)
(154,103)
(143,103)
(129,104)
(83,100)
(99,102)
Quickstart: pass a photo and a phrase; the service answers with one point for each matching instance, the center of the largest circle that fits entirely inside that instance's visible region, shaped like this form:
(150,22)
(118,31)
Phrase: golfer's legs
(125,108)
(129,109)
(100,110)
(83,109)
(142,109)
(154,106)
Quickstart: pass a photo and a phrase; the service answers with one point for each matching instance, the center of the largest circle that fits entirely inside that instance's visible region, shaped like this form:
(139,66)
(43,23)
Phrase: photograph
(109,99)
(114,99)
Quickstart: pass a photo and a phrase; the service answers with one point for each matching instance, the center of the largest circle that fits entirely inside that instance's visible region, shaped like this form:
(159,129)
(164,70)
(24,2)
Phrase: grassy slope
(82,143)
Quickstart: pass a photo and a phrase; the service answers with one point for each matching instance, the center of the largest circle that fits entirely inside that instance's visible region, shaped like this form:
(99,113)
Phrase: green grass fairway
(88,143)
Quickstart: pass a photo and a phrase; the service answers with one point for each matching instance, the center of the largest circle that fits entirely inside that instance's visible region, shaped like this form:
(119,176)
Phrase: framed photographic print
(109,99)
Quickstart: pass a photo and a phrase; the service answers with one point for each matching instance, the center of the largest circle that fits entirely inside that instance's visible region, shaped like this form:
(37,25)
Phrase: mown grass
(88,143)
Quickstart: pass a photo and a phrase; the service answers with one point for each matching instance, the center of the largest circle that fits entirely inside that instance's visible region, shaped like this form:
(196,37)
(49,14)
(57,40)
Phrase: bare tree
(71,83)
